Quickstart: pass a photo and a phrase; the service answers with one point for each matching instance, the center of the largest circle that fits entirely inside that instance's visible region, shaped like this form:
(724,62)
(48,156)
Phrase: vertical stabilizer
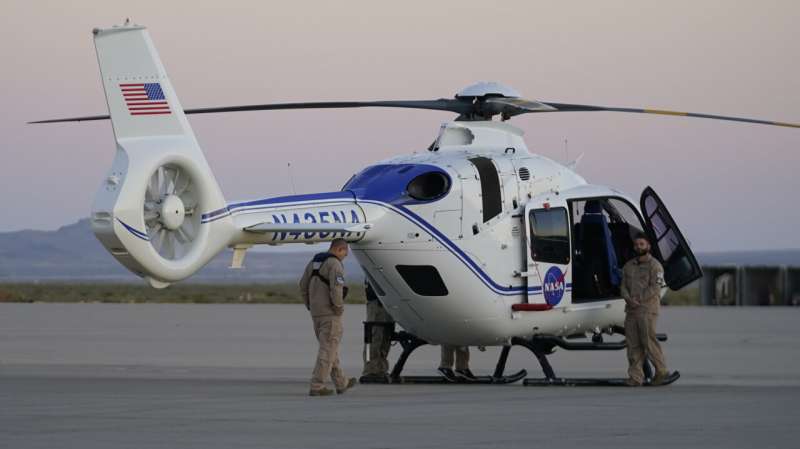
(148,212)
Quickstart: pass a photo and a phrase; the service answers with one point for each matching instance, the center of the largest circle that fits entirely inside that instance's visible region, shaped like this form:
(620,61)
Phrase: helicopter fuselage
(448,269)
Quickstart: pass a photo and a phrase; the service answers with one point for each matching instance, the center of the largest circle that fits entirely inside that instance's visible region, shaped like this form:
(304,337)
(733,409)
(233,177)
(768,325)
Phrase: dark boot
(449,374)
(466,374)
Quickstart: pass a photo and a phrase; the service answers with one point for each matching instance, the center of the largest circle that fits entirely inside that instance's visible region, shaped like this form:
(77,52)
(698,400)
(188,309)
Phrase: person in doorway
(323,291)
(642,280)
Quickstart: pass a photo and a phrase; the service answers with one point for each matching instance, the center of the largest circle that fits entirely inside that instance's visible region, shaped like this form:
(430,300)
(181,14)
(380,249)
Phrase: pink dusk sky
(730,186)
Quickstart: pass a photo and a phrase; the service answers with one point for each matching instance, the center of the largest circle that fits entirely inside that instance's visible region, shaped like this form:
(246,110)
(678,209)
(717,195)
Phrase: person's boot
(466,374)
(375,378)
(659,378)
(350,384)
(448,374)
(321,392)
(632,383)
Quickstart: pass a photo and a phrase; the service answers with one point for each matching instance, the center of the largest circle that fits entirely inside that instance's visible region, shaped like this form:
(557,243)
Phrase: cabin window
(424,280)
(490,187)
(550,235)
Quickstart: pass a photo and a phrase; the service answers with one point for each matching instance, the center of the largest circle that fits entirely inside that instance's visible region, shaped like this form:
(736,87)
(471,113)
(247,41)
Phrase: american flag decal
(145,98)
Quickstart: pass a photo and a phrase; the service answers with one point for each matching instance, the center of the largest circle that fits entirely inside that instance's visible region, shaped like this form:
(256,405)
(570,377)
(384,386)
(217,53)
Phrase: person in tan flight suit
(323,290)
(381,339)
(642,280)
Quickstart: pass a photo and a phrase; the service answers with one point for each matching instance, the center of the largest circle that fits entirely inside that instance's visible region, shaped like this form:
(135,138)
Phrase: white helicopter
(476,242)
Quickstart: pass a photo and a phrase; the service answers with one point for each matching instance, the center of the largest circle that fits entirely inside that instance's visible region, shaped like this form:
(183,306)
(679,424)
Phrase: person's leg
(653,347)
(322,367)
(384,340)
(372,367)
(462,357)
(633,343)
(447,357)
(337,375)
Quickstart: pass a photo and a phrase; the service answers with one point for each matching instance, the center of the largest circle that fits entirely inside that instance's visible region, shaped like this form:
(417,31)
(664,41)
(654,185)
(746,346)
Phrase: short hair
(639,235)
(338,243)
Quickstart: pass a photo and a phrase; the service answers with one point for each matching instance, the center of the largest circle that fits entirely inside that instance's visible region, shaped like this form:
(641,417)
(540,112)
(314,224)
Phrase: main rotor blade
(567,107)
(507,107)
(88,118)
(442,104)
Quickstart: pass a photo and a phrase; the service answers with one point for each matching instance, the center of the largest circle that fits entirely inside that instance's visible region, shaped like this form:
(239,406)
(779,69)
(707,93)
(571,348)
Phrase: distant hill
(73,253)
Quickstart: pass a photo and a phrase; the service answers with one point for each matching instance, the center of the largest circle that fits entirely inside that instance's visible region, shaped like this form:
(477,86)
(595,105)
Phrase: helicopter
(475,242)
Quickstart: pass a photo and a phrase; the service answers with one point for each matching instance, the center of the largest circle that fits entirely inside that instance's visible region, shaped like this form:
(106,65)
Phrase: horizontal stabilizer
(264,228)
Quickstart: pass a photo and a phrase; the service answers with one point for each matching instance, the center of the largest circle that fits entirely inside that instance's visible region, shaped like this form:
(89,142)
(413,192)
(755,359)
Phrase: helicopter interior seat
(621,236)
(597,274)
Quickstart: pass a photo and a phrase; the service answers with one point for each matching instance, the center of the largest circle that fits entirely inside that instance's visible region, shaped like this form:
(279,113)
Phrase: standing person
(381,339)
(323,290)
(642,280)
(458,355)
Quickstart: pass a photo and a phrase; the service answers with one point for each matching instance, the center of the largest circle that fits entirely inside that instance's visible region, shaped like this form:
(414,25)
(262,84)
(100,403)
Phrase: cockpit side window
(490,187)
(550,235)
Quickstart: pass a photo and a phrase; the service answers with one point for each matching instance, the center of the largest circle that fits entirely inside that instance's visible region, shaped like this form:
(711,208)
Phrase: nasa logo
(553,286)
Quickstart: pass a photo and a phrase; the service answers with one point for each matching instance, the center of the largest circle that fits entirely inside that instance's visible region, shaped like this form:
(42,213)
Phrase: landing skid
(565,382)
(539,345)
(478,380)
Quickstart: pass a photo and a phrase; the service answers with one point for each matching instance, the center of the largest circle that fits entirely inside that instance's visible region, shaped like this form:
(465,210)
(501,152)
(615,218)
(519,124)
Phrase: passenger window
(550,235)
(490,187)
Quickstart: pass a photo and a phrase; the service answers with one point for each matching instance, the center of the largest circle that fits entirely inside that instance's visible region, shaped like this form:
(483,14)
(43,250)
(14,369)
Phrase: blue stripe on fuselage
(452,247)
(331,197)
(268,203)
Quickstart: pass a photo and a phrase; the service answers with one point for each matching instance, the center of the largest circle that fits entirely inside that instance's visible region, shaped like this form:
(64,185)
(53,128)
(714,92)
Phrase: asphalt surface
(141,376)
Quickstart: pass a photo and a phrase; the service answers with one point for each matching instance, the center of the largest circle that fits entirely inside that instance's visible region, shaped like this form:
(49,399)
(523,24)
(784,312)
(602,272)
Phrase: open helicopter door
(669,245)
(549,280)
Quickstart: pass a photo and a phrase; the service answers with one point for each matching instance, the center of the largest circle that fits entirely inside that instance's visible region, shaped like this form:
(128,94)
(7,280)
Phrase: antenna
(566,148)
(291,178)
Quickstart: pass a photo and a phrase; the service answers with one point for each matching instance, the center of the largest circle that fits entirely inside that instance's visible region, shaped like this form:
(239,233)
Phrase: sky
(730,186)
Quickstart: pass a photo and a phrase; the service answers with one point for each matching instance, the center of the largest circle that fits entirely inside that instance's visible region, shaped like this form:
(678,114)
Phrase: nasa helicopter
(475,242)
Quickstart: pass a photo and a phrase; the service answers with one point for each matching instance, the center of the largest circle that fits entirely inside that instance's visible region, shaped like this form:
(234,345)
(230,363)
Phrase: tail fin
(148,212)
(141,99)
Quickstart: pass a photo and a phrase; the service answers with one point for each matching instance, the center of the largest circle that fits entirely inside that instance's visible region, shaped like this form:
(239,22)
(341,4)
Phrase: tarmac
(174,376)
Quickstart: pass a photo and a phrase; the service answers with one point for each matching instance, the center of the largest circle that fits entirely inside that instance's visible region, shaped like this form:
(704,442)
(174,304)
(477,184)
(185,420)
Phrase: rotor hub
(172,212)
(488,88)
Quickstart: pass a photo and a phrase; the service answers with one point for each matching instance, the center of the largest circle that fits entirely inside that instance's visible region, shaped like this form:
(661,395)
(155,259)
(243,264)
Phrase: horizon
(324,245)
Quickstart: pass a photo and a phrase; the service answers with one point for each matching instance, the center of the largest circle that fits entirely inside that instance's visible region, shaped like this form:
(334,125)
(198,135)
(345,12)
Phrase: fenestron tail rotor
(480,101)
(170,215)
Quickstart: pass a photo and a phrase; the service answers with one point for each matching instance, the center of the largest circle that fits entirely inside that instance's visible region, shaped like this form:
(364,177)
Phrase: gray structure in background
(755,285)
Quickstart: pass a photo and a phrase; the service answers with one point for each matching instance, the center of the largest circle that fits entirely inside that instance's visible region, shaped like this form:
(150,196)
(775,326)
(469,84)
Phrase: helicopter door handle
(521,274)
